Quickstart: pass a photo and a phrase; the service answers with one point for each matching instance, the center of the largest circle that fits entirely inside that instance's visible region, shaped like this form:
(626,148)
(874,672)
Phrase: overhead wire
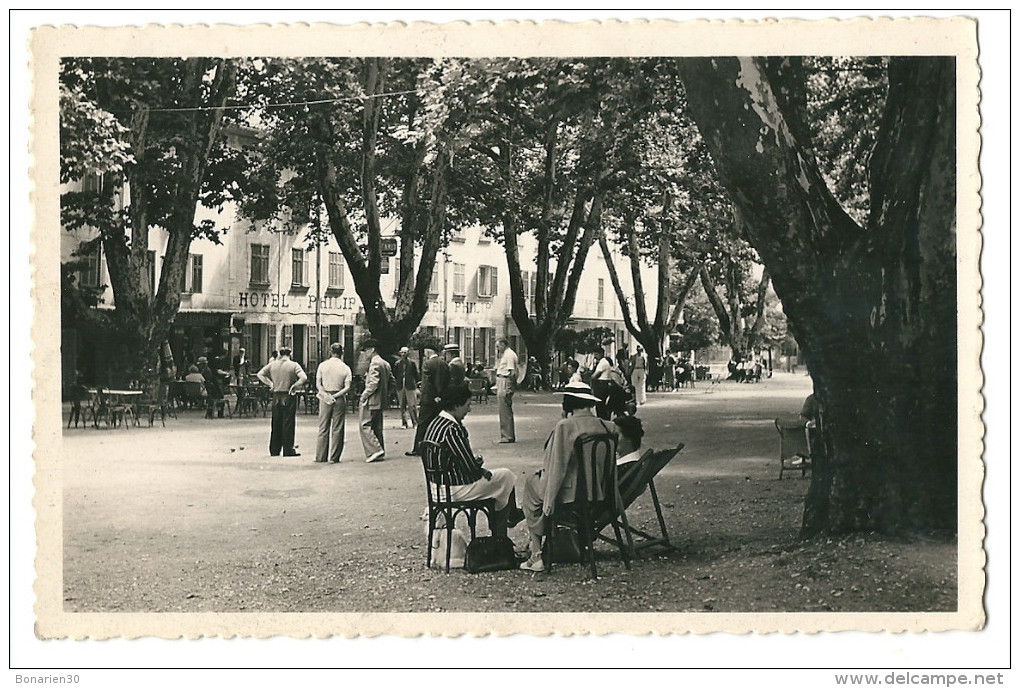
(269,106)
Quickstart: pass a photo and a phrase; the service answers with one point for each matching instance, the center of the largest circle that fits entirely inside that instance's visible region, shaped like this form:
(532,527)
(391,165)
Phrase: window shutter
(495,281)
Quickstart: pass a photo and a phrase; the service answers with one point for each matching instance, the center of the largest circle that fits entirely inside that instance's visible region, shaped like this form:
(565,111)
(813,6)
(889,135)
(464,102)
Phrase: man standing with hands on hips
(285,377)
(507,370)
(374,399)
(333,381)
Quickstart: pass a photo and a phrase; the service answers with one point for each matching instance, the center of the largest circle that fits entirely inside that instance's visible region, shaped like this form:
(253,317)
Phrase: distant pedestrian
(507,370)
(639,374)
(406,372)
(285,377)
(435,377)
(374,400)
(240,365)
(333,381)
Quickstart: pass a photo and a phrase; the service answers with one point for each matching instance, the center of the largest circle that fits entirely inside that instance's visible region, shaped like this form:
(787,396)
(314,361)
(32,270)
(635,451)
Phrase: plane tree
(345,144)
(871,294)
(141,146)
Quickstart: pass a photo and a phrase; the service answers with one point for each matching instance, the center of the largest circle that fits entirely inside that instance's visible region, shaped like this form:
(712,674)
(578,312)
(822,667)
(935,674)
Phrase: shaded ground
(197,517)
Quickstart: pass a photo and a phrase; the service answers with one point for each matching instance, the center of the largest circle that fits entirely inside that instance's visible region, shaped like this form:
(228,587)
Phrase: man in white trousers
(639,375)
(507,370)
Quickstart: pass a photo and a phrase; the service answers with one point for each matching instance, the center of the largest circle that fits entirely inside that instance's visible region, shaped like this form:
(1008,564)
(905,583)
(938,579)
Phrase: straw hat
(579,390)
(451,347)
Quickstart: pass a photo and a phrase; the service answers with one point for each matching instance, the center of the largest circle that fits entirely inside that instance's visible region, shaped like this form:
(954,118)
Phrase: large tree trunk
(144,313)
(391,327)
(874,308)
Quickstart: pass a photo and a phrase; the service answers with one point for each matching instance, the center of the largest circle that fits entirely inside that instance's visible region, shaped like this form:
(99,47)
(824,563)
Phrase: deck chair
(597,493)
(436,463)
(632,485)
(794,446)
(479,388)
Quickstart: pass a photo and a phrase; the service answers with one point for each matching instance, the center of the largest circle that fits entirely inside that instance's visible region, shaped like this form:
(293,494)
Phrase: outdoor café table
(118,397)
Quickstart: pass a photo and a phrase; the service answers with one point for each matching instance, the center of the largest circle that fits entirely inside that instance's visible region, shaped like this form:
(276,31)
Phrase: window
(298,268)
(528,279)
(336,270)
(92,183)
(89,275)
(259,264)
(193,274)
(434,284)
(458,235)
(487,280)
(458,279)
(152,270)
(602,295)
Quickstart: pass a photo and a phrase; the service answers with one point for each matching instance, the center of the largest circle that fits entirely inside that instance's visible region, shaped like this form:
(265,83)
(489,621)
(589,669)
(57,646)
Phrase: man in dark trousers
(285,377)
(435,376)
(405,371)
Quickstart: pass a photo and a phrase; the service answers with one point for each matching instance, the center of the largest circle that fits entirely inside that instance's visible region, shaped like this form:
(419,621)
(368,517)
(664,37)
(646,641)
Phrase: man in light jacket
(374,399)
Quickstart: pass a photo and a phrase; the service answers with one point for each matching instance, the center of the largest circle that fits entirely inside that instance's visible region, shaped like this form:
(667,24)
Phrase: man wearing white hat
(557,481)
(458,370)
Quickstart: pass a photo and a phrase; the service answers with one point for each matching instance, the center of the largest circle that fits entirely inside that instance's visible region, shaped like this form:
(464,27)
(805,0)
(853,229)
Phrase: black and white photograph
(507,329)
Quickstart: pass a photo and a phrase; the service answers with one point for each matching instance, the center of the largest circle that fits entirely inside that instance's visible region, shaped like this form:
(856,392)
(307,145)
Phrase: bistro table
(118,402)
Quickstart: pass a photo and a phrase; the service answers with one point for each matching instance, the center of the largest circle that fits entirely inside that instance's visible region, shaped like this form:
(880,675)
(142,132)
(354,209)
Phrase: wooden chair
(597,493)
(218,404)
(106,409)
(436,463)
(247,400)
(81,405)
(479,388)
(155,402)
(794,445)
(632,484)
(192,394)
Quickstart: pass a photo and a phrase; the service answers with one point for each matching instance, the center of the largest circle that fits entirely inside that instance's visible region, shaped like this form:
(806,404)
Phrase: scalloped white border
(855,36)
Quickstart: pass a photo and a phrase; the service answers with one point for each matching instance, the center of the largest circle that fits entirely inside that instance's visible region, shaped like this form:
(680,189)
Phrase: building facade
(262,288)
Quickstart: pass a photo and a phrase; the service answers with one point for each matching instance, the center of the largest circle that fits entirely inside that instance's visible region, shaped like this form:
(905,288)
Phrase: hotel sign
(263,300)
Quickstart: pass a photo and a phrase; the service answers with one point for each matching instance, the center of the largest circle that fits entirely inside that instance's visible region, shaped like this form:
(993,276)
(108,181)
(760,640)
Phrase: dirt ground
(198,517)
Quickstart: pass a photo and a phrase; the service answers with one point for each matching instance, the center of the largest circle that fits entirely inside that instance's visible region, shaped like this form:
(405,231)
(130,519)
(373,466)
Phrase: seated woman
(194,375)
(554,482)
(628,446)
(469,480)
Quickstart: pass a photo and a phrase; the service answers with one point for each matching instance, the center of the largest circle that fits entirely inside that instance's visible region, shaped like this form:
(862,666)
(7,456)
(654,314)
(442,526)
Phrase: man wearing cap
(333,381)
(506,381)
(284,376)
(406,372)
(435,376)
(374,399)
